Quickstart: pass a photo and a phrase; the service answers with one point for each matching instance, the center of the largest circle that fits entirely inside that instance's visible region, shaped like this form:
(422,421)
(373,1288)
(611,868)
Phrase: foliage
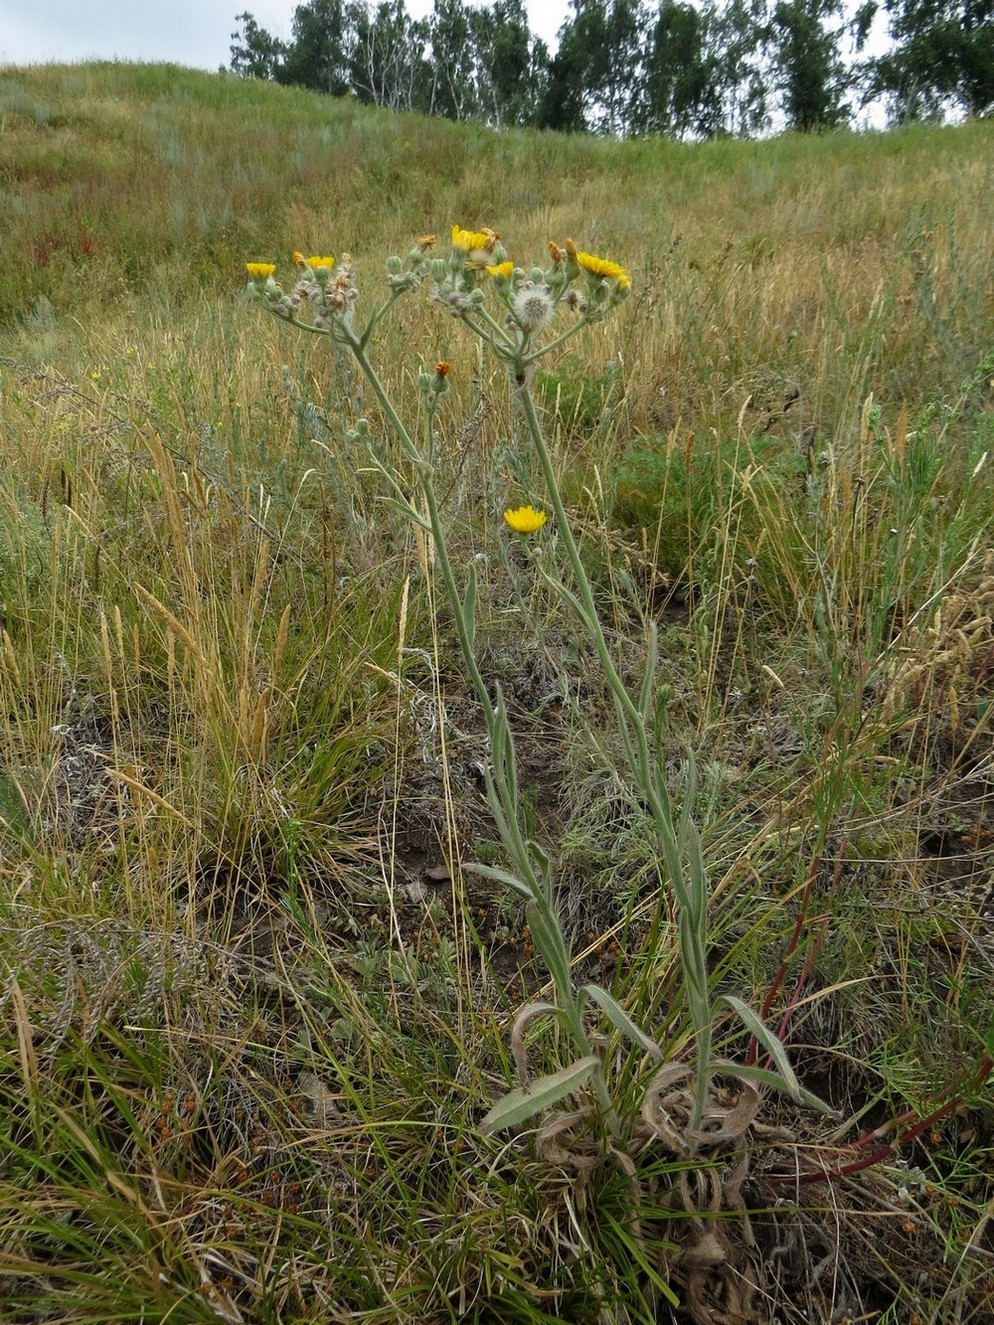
(812,77)
(629,66)
(943,56)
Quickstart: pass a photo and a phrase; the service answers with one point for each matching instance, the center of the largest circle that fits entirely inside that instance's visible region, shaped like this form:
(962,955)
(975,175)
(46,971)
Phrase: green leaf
(762,1077)
(548,939)
(469,605)
(517,1106)
(541,857)
(621,1021)
(690,796)
(634,1247)
(504,758)
(696,881)
(784,1078)
(408,512)
(567,595)
(500,876)
(647,694)
(766,1037)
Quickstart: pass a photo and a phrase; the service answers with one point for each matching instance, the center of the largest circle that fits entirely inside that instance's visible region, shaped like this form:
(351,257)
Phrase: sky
(190,32)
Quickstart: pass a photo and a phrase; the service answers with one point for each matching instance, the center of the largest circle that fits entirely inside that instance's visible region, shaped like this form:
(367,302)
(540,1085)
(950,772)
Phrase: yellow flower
(260,271)
(298,259)
(315,263)
(525,520)
(598,267)
(504,269)
(474,242)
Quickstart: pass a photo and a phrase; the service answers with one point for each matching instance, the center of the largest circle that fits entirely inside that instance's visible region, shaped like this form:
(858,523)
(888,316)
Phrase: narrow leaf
(541,856)
(621,1021)
(762,1077)
(690,796)
(408,512)
(647,695)
(770,1042)
(500,876)
(517,1106)
(469,605)
(548,939)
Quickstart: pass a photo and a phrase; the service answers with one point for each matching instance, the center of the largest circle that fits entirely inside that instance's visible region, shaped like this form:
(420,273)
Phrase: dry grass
(253,1010)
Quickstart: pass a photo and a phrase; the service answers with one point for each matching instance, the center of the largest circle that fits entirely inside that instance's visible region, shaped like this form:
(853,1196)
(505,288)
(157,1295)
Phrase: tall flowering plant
(521,315)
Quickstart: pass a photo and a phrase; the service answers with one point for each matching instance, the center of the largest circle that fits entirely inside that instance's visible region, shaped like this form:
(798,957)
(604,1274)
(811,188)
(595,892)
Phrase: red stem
(882,1152)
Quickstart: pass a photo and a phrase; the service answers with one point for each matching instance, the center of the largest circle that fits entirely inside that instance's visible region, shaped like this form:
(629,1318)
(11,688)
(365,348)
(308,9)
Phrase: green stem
(692,947)
(491,330)
(556,341)
(517,845)
(376,317)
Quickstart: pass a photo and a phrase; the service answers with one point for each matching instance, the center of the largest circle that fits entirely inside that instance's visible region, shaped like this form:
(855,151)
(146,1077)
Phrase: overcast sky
(191,32)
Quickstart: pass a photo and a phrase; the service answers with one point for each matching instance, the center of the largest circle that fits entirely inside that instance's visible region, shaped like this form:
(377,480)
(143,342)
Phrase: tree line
(626,67)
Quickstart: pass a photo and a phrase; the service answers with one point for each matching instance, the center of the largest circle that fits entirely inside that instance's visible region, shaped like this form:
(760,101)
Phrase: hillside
(287,911)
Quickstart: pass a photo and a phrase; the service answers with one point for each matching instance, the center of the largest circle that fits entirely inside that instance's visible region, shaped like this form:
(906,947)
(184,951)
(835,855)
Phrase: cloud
(190,32)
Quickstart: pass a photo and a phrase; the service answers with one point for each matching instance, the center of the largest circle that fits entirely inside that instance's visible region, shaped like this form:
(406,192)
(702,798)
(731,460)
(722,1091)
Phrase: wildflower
(425,243)
(533,306)
(260,271)
(476,244)
(504,270)
(298,259)
(442,369)
(599,268)
(525,520)
(555,252)
(468,240)
(321,266)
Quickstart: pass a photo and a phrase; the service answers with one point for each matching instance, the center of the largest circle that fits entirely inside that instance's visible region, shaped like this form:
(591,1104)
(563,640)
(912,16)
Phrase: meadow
(266,973)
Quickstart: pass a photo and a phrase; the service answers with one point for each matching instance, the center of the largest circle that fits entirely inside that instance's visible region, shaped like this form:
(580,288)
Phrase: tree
(679,73)
(740,100)
(943,58)
(319,56)
(511,65)
(387,65)
(808,67)
(706,68)
(254,53)
(595,78)
(452,88)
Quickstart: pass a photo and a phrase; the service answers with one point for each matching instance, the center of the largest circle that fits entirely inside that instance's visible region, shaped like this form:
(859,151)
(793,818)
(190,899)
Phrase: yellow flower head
(555,252)
(474,241)
(315,263)
(599,268)
(298,259)
(260,271)
(504,269)
(525,520)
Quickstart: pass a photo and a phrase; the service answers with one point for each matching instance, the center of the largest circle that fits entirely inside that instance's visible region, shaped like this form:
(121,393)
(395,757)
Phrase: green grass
(254,1010)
